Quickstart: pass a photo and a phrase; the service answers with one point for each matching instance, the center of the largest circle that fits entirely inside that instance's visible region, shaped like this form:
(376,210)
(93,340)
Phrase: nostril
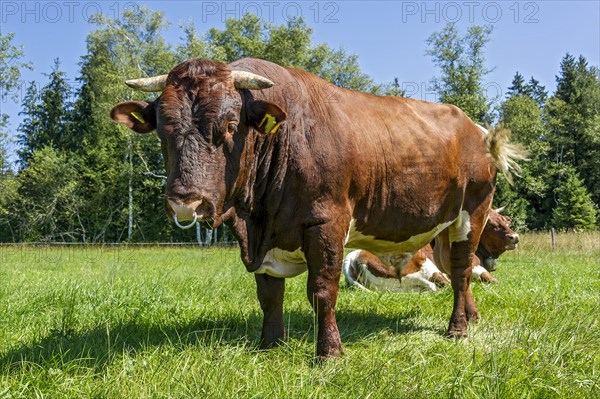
(184,210)
(515,238)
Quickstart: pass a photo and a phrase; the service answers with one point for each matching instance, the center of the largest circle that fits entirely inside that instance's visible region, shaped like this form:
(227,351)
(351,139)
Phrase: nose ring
(186,226)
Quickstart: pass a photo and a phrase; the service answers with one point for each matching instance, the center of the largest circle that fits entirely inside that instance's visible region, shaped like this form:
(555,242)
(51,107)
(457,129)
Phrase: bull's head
(202,117)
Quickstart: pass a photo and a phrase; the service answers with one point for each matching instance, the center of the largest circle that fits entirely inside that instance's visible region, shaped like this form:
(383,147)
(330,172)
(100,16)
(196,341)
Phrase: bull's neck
(263,184)
(267,170)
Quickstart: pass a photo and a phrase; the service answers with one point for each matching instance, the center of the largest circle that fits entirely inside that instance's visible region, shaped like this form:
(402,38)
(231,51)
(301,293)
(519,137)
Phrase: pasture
(110,322)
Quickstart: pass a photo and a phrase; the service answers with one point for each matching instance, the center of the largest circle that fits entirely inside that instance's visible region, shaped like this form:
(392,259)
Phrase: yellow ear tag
(138,116)
(271,125)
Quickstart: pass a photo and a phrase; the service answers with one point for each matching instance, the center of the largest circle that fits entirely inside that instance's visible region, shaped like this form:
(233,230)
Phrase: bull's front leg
(324,250)
(270,292)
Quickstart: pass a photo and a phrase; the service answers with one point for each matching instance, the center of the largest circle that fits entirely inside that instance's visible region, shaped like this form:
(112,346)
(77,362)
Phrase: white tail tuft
(503,153)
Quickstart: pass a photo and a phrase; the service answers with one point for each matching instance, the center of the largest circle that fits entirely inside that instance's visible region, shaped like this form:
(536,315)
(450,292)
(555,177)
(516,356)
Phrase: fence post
(553,239)
(198,234)
(209,236)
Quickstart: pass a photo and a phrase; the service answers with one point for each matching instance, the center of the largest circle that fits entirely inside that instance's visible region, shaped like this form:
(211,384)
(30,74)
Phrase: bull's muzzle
(514,240)
(184,212)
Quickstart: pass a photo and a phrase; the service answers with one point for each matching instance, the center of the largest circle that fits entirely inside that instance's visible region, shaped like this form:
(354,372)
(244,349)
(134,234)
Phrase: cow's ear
(139,116)
(265,116)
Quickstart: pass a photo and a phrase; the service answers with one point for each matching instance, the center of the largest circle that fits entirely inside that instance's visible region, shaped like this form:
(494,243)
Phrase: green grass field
(184,323)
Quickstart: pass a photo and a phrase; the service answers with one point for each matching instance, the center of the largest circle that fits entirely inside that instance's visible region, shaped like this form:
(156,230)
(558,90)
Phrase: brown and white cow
(365,270)
(497,238)
(298,168)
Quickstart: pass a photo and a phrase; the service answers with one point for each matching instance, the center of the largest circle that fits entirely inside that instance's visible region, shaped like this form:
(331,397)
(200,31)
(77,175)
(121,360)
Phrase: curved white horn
(154,83)
(499,210)
(249,80)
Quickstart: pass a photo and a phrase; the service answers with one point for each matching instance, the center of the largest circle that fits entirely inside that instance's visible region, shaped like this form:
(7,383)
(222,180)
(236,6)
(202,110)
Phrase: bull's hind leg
(471,309)
(324,249)
(459,278)
(459,243)
(270,292)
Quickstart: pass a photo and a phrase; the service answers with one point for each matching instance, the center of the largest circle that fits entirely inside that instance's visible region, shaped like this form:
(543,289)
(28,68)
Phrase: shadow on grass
(98,347)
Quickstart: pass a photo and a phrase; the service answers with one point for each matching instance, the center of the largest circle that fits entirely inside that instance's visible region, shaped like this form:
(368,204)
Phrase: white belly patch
(283,264)
(461,228)
(355,239)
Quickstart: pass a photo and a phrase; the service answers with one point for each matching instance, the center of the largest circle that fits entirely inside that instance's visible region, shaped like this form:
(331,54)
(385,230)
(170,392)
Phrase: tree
(339,68)
(8,191)
(31,127)
(529,200)
(462,65)
(394,89)
(517,87)
(536,91)
(194,45)
(288,45)
(532,89)
(46,113)
(573,119)
(47,207)
(575,209)
(121,170)
(4,144)
(11,65)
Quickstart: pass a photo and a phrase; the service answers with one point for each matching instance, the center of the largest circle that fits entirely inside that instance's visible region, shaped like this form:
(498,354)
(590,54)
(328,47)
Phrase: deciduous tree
(462,65)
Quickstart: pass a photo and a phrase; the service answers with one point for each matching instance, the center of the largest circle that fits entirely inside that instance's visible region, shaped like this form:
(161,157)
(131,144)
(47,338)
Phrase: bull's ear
(265,116)
(139,116)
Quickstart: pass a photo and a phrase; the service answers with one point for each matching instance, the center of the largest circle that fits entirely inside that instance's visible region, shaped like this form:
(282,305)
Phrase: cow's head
(202,118)
(497,238)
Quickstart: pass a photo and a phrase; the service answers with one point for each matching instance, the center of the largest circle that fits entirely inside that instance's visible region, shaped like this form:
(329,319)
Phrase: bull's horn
(499,210)
(249,80)
(154,83)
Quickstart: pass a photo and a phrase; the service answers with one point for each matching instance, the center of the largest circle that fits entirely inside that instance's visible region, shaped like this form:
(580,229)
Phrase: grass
(184,323)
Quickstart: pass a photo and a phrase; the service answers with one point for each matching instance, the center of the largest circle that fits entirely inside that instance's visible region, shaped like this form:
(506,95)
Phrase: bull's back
(411,163)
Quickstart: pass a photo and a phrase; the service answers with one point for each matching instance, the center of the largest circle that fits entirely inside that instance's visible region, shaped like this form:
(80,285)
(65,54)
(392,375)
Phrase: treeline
(82,178)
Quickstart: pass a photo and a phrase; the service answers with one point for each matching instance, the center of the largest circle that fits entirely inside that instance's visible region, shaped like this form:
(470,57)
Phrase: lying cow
(363,269)
(299,168)
(497,238)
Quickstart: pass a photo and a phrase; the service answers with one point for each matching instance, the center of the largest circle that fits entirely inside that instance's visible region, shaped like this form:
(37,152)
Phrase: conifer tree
(517,86)
(573,119)
(575,209)
(46,115)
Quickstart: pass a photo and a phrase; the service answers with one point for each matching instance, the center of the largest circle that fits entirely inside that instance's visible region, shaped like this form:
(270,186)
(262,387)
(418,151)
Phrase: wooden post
(553,239)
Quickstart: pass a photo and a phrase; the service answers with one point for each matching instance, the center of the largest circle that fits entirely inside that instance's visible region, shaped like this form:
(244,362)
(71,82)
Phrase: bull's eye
(232,127)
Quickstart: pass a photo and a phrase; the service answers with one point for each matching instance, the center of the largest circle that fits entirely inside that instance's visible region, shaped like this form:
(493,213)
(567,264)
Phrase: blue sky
(388,36)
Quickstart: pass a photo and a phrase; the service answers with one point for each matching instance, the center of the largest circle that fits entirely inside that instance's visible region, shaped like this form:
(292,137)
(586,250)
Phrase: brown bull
(298,168)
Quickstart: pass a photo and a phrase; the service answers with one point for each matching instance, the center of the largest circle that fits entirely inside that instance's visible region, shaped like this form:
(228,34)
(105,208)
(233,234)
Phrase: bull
(298,168)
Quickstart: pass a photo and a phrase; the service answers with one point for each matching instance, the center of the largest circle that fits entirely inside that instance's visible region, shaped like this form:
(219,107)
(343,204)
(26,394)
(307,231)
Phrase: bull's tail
(503,153)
